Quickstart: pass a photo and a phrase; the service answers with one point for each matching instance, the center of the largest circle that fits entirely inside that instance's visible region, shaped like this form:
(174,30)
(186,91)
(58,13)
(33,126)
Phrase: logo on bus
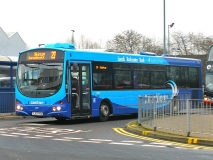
(173,86)
(163,99)
(36,102)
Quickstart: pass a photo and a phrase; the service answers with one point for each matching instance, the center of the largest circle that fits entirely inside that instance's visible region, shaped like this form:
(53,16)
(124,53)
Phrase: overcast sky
(50,21)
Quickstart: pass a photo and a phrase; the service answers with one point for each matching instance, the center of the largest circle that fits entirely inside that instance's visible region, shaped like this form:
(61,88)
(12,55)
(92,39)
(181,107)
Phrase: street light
(40,45)
(169,26)
(73,36)
(164,28)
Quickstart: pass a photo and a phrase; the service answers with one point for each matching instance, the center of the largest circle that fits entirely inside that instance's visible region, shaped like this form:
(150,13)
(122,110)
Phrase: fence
(7,102)
(188,117)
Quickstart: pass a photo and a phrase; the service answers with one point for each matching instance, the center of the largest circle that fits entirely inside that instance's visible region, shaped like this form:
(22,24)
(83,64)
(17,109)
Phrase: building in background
(11,43)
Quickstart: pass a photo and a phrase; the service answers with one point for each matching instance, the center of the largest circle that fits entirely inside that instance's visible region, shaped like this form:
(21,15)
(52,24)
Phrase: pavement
(9,116)
(138,129)
(135,128)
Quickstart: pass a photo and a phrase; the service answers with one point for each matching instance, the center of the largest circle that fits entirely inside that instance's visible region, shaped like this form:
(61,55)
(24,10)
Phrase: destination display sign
(101,67)
(38,55)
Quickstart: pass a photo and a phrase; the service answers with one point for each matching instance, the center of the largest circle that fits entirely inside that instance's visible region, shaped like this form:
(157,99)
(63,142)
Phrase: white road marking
(2,132)
(148,145)
(20,134)
(101,140)
(72,138)
(127,144)
(68,130)
(77,131)
(90,141)
(132,142)
(33,137)
(43,136)
(181,147)
(8,135)
(53,132)
(161,143)
(68,140)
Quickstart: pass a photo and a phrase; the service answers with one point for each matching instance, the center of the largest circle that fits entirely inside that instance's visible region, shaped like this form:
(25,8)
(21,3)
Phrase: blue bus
(8,66)
(60,81)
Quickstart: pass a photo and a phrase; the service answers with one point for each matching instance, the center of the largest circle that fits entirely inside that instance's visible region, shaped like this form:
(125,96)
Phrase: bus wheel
(104,112)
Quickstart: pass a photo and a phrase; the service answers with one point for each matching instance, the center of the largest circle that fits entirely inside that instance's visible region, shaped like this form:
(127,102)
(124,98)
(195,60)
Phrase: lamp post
(40,45)
(164,28)
(169,26)
(73,36)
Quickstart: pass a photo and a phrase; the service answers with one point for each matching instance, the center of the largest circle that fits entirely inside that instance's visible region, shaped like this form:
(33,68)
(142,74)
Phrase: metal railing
(188,117)
(7,102)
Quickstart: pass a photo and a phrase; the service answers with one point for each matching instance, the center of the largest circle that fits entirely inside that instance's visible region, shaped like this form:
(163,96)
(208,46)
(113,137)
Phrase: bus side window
(102,80)
(105,82)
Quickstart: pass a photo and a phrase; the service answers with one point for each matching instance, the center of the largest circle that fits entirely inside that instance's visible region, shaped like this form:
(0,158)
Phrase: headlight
(19,107)
(56,108)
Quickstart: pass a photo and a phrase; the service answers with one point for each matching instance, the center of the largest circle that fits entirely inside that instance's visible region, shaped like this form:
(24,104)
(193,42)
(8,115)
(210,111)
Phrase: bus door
(81,94)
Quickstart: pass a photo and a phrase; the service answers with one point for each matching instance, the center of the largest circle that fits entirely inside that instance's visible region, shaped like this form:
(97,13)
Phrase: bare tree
(132,42)
(127,42)
(206,43)
(180,43)
(152,45)
(191,43)
(195,41)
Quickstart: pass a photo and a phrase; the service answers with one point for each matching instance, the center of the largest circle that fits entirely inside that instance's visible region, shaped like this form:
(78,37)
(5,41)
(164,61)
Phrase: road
(47,139)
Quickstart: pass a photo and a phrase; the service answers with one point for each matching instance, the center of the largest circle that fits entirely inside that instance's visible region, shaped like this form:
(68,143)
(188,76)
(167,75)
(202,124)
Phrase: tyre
(104,112)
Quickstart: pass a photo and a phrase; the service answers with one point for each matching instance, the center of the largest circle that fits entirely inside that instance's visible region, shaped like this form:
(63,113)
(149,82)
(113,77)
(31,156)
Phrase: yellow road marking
(194,140)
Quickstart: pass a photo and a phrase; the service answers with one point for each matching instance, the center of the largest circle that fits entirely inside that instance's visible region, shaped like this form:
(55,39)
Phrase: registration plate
(37,113)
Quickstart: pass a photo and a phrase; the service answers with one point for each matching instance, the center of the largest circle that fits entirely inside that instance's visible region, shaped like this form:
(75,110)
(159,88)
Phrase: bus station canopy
(8,58)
